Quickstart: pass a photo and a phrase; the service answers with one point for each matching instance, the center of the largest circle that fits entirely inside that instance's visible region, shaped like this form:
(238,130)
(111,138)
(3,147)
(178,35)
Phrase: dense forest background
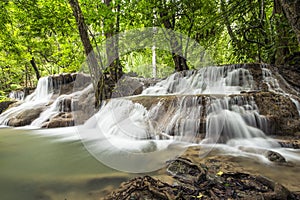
(39,37)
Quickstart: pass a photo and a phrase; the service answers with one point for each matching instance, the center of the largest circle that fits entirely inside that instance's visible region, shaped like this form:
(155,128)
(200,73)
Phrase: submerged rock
(274,156)
(294,144)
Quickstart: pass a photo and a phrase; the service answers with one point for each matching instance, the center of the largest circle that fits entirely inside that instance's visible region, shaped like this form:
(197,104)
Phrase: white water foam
(297,104)
(208,80)
(17,95)
(39,98)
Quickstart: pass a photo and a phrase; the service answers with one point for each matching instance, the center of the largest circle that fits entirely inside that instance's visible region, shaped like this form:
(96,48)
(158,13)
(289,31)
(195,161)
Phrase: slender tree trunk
(36,70)
(231,34)
(95,71)
(83,32)
(26,76)
(291,9)
(177,55)
(282,43)
(112,40)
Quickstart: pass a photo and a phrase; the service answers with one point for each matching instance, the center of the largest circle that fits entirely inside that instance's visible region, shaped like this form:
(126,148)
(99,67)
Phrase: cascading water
(233,118)
(56,107)
(126,119)
(297,104)
(268,78)
(17,95)
(208,80)
(39,98)
(43,91)
(210,105)
(227,117)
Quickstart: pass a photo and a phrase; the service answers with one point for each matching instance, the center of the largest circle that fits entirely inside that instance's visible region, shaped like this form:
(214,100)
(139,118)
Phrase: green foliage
(140,62)
(38,29)
(231,31)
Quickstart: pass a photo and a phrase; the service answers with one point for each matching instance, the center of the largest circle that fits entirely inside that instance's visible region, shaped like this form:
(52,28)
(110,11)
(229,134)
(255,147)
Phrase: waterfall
(233,118)
(39,98)
(228,115)
(126,119)
(297,104)
(17,95)
(207,80)
(56,107)
(210,103)
(43,91)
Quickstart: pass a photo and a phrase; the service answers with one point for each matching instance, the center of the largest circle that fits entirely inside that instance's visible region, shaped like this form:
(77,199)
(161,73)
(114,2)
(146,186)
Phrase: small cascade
(268,78)
(38,99)
(42,100)
(61,104)
(297,104)
(43,91)
(17,95)
(185,122)
(233,118)
(208,80)
(126,119)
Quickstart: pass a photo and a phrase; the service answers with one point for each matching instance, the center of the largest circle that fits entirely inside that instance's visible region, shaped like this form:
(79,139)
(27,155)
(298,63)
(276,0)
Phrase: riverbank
(218,175)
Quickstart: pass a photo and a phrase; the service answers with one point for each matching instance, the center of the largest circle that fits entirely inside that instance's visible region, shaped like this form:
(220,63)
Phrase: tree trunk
(112,50)
(231,34)
(83,32)
(292,11)
(36,70)
(95,71)
(176,47)
(282,38)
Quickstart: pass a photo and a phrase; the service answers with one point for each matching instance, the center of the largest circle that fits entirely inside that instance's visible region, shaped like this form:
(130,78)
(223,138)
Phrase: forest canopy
(40,37)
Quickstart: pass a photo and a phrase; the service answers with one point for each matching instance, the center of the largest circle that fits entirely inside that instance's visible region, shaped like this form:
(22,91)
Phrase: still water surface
(36,167)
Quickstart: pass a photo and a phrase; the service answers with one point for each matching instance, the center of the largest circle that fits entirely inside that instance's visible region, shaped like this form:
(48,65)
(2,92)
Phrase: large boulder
(59,120)
(127,86)
(25,117)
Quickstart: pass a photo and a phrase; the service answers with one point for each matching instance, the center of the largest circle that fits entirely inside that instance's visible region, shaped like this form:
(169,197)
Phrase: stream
(214,114)
(54,164)
(33,166)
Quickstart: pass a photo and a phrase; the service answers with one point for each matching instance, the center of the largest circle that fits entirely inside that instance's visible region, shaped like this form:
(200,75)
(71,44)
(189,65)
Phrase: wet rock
(4,105)
(185,170)
(127,86)
(81,81)
(274,156)
(280,111)
(26,117)
(60,120)
(295,144)
(291,73)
